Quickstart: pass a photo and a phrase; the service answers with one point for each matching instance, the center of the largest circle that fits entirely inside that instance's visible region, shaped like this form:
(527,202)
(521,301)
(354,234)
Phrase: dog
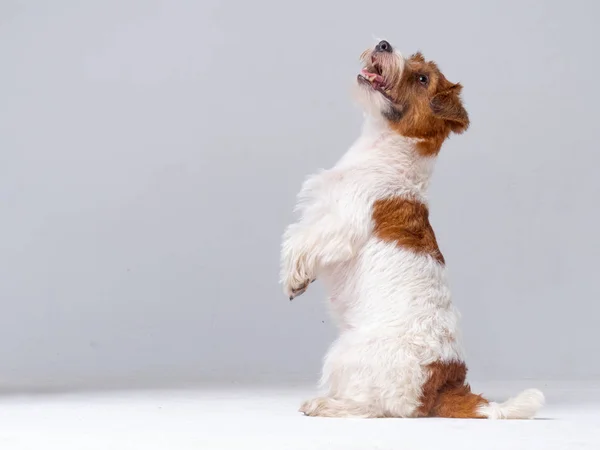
(364,232)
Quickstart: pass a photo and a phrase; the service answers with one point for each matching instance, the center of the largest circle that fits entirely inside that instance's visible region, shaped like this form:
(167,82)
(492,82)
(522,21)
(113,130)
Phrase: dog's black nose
(384,46)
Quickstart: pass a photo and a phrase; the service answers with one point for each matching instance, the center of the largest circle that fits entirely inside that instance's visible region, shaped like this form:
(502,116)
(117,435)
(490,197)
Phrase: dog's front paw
(296,278)
(293,291)
(298,262)
(296,274)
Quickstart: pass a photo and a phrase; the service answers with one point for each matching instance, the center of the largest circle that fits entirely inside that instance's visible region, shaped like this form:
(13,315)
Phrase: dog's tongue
(372,76)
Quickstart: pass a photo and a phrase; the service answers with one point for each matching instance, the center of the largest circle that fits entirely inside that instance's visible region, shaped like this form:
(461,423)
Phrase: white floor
(237,418)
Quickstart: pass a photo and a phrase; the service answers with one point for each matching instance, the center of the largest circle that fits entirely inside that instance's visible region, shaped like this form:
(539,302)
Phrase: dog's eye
(423,79)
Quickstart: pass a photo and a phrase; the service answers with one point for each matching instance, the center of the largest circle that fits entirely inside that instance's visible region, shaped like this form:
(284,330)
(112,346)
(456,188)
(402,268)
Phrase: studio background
(150,153)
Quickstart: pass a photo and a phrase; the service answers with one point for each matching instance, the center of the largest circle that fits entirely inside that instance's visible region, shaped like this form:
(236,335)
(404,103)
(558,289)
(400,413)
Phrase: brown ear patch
(406,223)
(447,105)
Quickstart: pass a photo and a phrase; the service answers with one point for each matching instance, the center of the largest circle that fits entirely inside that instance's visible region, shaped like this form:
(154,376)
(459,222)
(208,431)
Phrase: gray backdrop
(150,153)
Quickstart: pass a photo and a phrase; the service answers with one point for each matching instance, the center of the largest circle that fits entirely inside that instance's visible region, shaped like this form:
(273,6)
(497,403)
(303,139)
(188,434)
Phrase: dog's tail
(447,394)
(460,402)
(524,406)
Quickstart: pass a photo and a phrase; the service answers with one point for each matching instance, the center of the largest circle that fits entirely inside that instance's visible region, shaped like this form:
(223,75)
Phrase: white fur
(523,406)
(392,306)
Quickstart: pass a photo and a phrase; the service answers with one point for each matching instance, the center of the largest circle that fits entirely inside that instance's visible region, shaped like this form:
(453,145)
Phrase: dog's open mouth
(372,76)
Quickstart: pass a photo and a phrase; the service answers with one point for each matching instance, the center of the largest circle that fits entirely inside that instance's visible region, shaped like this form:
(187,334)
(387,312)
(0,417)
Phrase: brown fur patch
(406,223)
(428,110)
(458,402)
(445,393)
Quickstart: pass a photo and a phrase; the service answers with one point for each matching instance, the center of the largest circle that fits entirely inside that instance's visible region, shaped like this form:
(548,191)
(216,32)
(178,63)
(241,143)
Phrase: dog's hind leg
(338,407)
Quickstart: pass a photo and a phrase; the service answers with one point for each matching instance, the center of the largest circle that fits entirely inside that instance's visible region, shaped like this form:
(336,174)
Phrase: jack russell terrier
(364,232)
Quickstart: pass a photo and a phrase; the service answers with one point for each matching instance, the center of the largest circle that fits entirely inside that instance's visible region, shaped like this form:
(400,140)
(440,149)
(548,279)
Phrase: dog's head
(411,94)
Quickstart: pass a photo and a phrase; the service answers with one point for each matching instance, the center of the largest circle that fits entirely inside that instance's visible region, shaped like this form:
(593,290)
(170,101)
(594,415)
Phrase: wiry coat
(364,232)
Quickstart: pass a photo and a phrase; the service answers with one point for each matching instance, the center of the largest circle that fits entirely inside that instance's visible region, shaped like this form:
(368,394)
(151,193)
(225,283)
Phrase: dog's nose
(384,46)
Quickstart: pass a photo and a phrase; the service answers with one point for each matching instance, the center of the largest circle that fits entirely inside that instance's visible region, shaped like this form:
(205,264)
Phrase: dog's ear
(448,106)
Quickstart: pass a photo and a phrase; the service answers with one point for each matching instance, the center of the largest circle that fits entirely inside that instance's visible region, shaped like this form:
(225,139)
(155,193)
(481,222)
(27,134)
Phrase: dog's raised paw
(299,290)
